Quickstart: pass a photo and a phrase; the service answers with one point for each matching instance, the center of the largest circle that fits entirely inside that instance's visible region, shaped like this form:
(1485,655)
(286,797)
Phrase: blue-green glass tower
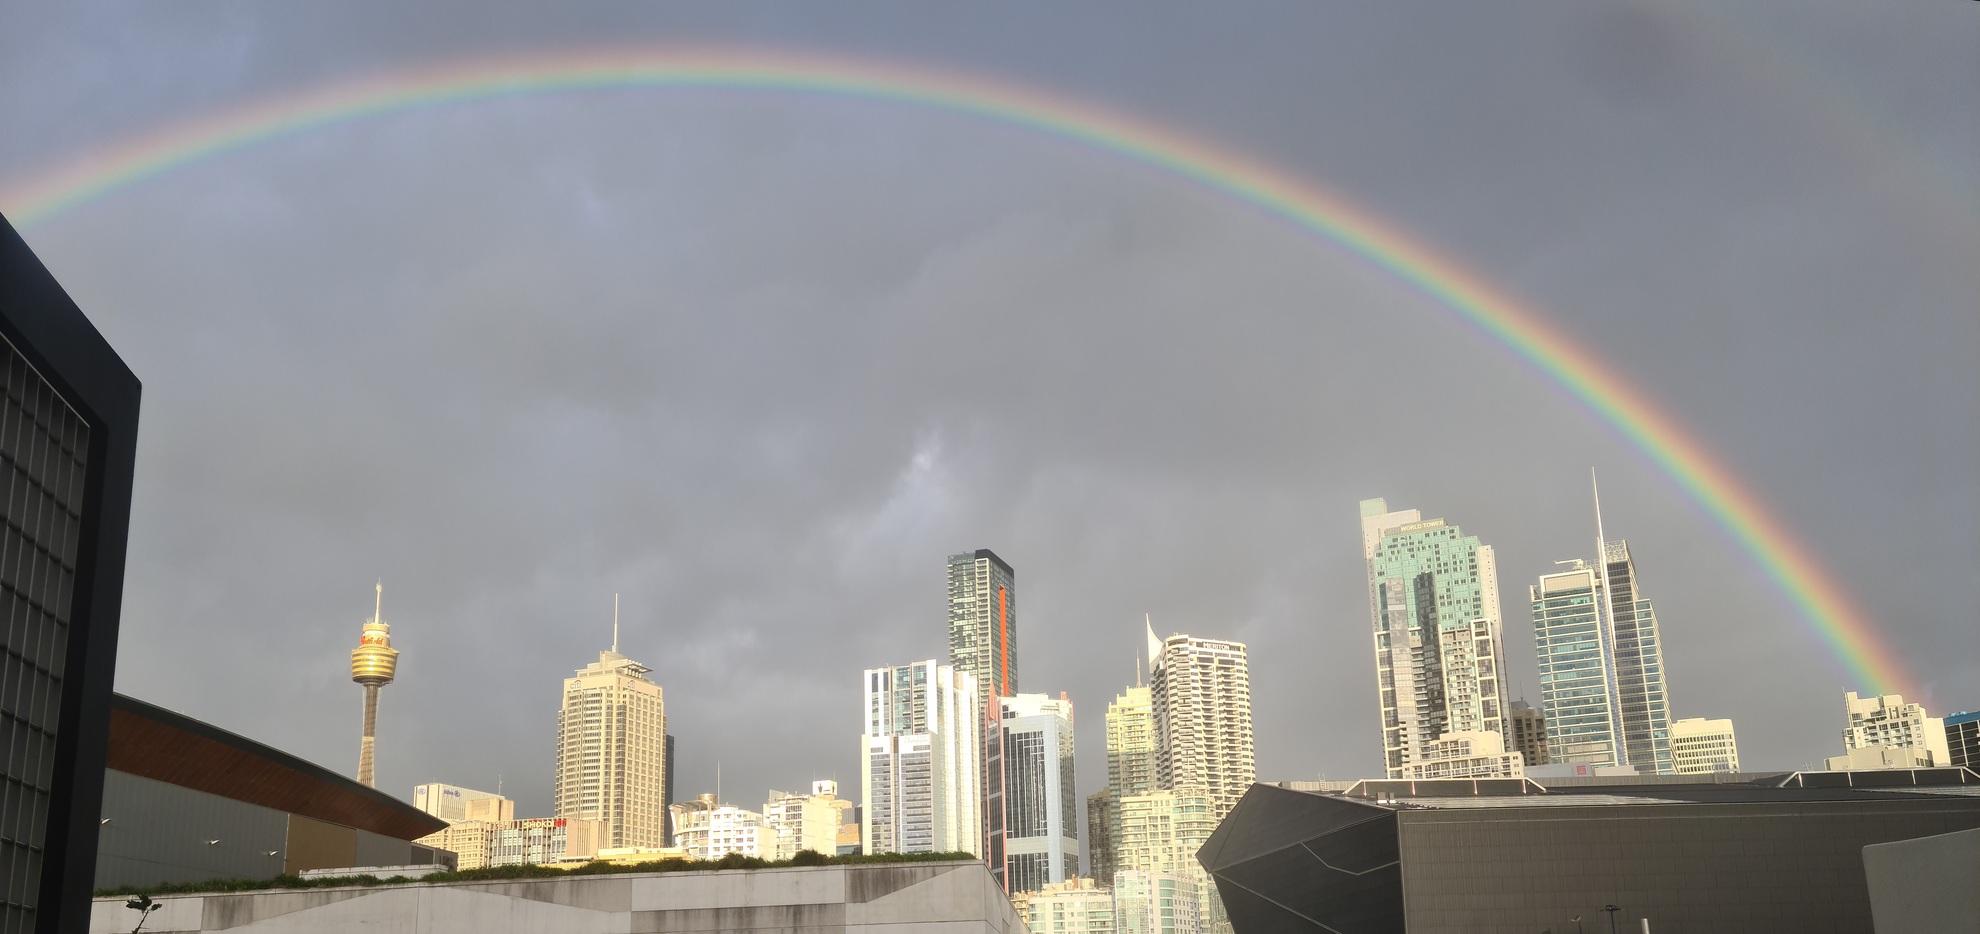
(1433,595)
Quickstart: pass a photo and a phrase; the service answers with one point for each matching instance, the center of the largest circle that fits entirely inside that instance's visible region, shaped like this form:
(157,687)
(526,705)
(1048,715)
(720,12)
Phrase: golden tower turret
(373,663)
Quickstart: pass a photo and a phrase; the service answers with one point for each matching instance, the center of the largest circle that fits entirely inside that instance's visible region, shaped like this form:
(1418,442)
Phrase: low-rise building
(454,803)
(707,830)
(1075,906)
(804,822)
(1469,754)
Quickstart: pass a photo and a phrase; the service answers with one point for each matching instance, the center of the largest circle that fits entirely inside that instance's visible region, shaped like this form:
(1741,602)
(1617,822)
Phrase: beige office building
(454,803)
(1701,747)
(612,751)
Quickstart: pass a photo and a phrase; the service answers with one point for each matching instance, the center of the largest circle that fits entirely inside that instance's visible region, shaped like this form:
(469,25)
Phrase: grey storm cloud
(758,363)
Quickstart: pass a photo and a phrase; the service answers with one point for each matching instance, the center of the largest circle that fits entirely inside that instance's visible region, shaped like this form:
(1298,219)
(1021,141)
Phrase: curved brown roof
(156,743)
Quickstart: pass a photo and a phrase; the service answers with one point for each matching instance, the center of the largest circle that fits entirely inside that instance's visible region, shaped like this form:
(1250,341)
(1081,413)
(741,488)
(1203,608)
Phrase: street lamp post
(1613,911)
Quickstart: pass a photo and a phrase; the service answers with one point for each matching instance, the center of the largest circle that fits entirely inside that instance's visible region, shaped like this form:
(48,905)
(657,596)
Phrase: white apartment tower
(710,830)
(1041,802)
(1889,722)
(1200,693)
(1433,596)
(612,751)
(922,772)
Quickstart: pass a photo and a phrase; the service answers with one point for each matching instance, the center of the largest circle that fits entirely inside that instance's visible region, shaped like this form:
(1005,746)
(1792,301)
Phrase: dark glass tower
(68,439)
(983,642)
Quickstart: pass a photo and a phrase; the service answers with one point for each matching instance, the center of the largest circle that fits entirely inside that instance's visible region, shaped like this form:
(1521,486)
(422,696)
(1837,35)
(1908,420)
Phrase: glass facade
(1577,672)
(1645,704)
(44,448)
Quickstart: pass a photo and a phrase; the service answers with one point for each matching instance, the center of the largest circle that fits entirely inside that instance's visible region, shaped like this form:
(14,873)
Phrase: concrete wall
(1927,885)
(954,897)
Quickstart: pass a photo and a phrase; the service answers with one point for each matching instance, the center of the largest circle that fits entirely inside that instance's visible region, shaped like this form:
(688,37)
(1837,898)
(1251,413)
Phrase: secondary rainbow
(1821,603)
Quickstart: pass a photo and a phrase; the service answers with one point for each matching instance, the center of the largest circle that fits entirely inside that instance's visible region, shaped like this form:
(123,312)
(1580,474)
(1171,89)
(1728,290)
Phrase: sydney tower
(373,663)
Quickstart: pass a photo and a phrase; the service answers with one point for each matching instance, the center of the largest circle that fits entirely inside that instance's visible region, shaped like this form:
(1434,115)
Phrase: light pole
(1577,924)
(1612,910)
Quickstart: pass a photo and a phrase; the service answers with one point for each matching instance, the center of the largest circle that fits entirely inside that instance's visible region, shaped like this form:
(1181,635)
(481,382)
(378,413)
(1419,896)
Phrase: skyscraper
(1200,692)
(612,750)
(922,788)
(1577,668)
(373,664)
(1433,594)
(983,644)
(1132,745)
(69,407)
(983,622)
(1041,842)
(1644,702)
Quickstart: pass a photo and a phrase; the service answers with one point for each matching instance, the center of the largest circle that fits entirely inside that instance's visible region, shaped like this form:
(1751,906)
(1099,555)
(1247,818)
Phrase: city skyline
(759,360)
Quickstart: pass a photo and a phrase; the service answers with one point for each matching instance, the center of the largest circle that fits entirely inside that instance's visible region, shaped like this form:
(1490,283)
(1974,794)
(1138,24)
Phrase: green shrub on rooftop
(526,872)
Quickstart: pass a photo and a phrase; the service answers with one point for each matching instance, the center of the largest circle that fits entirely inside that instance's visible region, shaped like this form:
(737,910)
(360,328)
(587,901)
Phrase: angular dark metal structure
(68,444)
(1747,853)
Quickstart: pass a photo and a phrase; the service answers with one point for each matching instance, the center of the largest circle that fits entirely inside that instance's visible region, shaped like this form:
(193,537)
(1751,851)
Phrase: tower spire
(378,608)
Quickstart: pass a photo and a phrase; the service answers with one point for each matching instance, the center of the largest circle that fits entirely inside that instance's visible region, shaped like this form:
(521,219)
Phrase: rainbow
(1848,633)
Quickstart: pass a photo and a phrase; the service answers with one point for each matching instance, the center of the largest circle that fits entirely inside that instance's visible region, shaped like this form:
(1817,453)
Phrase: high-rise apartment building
(922,775)
(1132,745)
(1433,595)
(1889,722)
(612,751)
(1200,692)
(1160,834)
(983,644)
(1529,733)
(1700,746)
(805,822)
(1577,668)
(454,803)
(1041,840)
(69,408)
(1641,694)
(1155,903)
(373,665)
(1963,739)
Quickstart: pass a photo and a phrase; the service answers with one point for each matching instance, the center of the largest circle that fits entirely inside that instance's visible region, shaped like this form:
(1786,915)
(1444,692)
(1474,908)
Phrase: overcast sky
(759,362)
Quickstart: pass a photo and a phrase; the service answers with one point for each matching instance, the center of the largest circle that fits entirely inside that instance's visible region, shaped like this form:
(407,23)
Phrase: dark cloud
(759,362)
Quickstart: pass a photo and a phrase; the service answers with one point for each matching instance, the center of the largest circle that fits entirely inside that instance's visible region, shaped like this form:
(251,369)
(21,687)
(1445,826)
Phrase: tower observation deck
(373,664)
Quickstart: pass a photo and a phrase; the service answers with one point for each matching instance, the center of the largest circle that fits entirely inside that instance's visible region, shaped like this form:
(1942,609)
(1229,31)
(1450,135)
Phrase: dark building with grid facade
(68,439)
(1741,854)
(1963,740)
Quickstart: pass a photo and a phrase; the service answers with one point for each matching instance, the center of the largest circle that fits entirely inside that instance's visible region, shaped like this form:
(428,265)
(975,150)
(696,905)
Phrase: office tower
(1700,746)
(710,830)
(69,411)
(1577,668)
(1160,833)
(804,822)
(1101,829)
(1131,770)
(1529,733)
(373,663)
(612,752)
(1888,722)
(983,644)
(1075,906)
(922,772)
(1200,692)
(1155,903)
(1433,595)
(1041,842)
(1963,740)
(454,803)
(1642,698)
